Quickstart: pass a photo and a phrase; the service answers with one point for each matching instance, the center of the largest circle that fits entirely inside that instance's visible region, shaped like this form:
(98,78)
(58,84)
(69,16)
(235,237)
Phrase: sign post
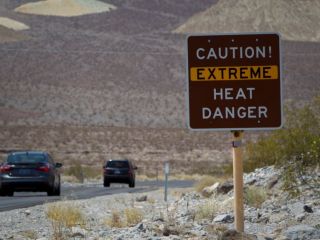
(238,181)
(234,84)
(166,173)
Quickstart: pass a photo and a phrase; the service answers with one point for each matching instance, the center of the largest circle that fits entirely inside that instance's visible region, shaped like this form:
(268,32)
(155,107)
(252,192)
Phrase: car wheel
(132,184)
(106,183)
(57,190)
(9,193)
(50,192)
(2,193)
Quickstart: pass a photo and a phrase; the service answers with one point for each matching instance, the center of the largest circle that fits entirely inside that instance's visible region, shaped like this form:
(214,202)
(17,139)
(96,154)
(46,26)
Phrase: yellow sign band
(222,73)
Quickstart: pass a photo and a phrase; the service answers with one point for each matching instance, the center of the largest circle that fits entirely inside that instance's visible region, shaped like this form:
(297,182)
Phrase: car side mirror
(58,165)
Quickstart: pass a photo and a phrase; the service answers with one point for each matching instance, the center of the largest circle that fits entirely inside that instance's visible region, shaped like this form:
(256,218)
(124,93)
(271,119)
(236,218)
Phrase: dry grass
(63,216)
(115,221)
(29,234)
(216,229)
(205,182)
(206,210)
(133,216)
(255,196)
(126,218)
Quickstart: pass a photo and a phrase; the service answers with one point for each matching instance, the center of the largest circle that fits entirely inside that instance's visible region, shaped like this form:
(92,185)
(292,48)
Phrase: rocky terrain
(186,215)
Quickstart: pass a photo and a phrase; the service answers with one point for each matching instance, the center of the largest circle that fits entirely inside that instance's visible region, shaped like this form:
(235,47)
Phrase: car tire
(50,191)
(132,184)
(106,183)
(57,190)
(9,193)
(2,193)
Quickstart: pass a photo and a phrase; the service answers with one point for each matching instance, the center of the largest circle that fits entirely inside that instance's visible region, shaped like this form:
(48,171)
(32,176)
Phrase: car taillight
(108,171)
(5,168)
(44,168)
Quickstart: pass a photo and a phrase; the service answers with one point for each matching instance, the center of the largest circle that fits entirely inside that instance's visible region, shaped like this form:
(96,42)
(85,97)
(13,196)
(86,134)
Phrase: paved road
(28,199)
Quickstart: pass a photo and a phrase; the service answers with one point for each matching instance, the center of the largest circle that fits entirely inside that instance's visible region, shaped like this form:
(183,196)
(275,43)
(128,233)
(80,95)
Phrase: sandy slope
(65,8)
(12,24)
(294,19)
(9,35)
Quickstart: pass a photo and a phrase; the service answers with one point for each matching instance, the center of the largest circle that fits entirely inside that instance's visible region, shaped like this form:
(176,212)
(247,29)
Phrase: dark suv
(29,171)
(119,171)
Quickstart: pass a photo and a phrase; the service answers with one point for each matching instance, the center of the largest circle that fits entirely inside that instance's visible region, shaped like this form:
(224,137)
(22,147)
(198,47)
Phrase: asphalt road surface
(28,199)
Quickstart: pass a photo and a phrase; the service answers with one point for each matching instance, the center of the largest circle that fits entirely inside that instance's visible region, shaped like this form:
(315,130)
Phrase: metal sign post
(238,180)
(166,173)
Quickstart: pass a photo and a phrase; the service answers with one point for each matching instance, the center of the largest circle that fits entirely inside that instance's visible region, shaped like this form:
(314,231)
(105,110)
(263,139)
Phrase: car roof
(27,152)
(118,160)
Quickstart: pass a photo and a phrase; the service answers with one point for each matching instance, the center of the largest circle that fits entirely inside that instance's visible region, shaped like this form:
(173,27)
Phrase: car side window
(50,160)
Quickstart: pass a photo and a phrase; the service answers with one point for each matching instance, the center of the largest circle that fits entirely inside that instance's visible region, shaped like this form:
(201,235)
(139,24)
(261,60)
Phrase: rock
(251,182)
(224,218)
(272,182)
(234,235)
(300,217)
(170,230)
(142,198)
(78,232)
(296,208)
(302,232)
(307,209)
(140,227)
(208,191)
(27,212)
(225,187)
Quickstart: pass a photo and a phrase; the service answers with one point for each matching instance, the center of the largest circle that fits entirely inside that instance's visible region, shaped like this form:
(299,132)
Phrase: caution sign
(234,82)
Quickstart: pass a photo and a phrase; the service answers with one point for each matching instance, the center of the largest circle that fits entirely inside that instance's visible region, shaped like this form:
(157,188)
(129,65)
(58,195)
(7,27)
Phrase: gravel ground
(186,215)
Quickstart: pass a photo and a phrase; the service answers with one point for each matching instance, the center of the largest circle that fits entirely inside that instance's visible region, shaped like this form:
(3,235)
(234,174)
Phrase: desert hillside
(125,67)
(295,20)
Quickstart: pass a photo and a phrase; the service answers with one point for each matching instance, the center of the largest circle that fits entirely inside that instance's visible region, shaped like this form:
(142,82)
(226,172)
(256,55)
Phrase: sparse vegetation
(63,216)
(255,196)
(204,182)
(295,148)
(127,217)
(115,221)
(81,172)
(217,229)
(206,210)
(29,234)
(133,216)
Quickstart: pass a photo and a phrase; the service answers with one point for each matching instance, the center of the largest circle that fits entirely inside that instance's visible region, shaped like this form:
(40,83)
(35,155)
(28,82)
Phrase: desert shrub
(64,216)
(115,221)
(133,216)
(81,172)
(295,149)
(204,182)
(29,234)
(76,170)
(255,196)
(207,210)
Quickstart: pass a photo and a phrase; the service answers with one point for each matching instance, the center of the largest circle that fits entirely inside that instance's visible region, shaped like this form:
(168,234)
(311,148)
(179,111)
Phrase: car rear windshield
(118,164)
(26,158)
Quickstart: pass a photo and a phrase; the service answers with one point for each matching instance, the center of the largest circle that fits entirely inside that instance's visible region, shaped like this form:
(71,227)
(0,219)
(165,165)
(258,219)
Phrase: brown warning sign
(234,82)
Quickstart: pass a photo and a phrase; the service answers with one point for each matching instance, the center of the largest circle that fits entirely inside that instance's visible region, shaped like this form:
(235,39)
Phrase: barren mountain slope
(121,68)
(296,20)
(9,35)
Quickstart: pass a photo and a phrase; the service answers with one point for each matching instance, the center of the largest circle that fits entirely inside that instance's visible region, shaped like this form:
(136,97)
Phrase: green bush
(295,148)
